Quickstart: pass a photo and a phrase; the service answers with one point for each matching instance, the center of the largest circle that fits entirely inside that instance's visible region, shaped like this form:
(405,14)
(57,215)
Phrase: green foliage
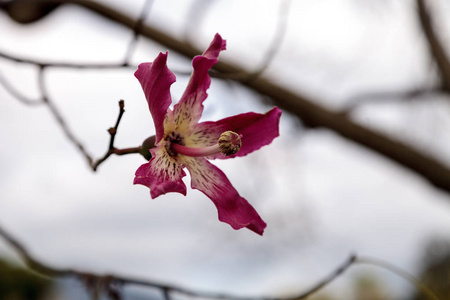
(17,283)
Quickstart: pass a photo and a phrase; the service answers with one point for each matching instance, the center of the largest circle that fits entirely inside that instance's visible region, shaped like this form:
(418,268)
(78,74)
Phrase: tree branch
(312,114)
(402,273)
(436,49)
(110,284)
(388,97)
(305,108)
(58,117)
(111,149)
(18,95)
(44,64)
(98,283)
(137,26)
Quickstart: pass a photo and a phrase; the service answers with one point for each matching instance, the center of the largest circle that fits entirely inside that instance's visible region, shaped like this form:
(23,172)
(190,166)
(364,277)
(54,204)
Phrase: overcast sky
(322,196)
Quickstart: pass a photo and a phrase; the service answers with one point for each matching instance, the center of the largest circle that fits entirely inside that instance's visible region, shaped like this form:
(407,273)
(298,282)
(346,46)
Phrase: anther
(229,142)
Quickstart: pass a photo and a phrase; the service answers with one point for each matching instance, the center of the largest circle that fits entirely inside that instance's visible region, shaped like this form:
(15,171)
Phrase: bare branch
(195,16)
(278,37)
(305,108)
(18,95)
(111,149)
(137,28)
(46,100)
(436,49)
(270,54)
(335,274)
(65,64)
(402,273)
(59,118)
(96,283)
(388,97)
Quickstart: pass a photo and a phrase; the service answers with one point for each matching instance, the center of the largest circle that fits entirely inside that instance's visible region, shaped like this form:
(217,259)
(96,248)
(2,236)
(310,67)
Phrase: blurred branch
(96,282)
(44,64)
(110,284)
(46,100)
(435,46)
(387,97)
(58,117)
(14,9)
(396,270)
(278,37)
(18,95)
(137,28)
(305,108)
(274,46)
(196,14)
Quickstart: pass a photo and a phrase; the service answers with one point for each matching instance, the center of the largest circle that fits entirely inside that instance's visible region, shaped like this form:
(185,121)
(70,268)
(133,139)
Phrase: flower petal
(232,208)
(162,174)
(156,79)
(257,130)
(189,109)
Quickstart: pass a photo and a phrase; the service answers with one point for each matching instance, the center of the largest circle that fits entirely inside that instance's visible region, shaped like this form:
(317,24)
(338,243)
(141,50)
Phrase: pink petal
(232,208)
(162,174)
(257,130)
(156,79)
(189,109)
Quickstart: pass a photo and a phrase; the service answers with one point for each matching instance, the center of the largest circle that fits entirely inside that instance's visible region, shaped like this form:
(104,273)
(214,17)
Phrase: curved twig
(111,149)
(402,273)
(58,117)
(16,94)
(97,281)
(68,65)
(387,97)
(137,28)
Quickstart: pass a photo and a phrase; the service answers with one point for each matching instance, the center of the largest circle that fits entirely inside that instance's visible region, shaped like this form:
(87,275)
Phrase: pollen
(229,142)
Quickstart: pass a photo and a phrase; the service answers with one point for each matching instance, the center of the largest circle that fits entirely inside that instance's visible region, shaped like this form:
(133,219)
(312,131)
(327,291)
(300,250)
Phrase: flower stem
(195,152)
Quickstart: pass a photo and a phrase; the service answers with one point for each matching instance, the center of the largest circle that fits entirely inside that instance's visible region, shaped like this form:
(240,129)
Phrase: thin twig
(437,51)
(194,17)
(104,282)
(67,65)
(320,285)
(278,37)
(270,54)
(46,100)
(94,281)
(16,94)
(29,260)
(387,97)
(402,273)
(58,117)
(166,294)
(304,107)
(137,28)
(111,149)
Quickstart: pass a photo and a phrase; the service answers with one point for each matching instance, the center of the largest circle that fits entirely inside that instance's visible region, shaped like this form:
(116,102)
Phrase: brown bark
(307,109)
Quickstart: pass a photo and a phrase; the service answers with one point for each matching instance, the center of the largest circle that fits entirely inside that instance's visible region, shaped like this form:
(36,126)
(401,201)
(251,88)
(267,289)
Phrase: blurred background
(325,189)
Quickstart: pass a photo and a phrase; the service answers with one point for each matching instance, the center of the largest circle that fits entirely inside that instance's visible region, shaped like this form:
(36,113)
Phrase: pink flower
(183,142)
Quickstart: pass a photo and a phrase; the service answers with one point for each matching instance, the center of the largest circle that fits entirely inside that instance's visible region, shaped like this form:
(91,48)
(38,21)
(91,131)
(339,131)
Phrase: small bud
(121,103)
(146,146)
(112,131)
(229,142)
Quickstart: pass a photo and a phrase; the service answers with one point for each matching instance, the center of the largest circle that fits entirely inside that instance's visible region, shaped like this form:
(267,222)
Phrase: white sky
(322,197)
